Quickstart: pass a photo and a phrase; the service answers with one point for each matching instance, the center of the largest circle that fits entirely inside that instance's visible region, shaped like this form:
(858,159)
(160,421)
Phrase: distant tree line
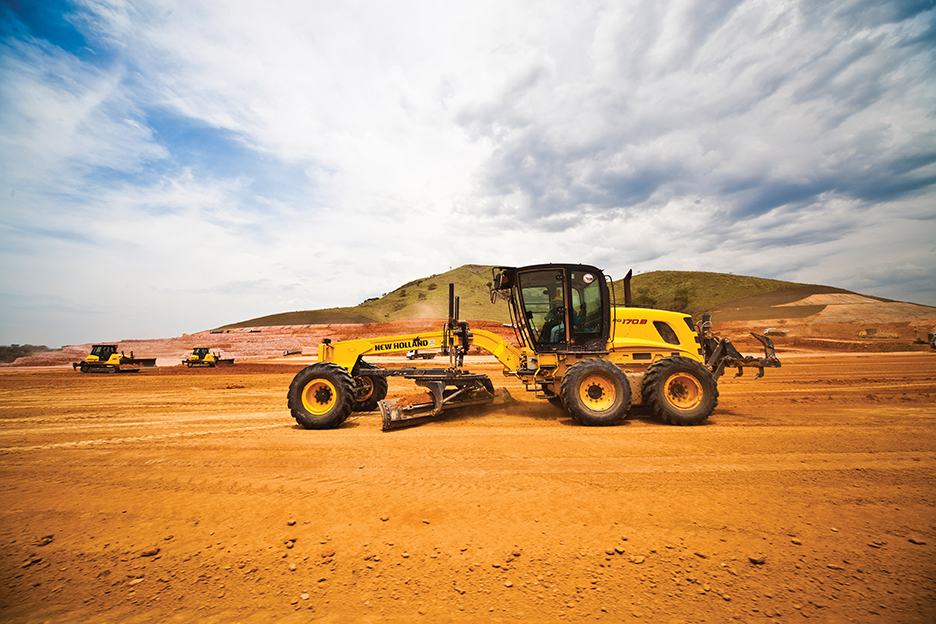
(9,353)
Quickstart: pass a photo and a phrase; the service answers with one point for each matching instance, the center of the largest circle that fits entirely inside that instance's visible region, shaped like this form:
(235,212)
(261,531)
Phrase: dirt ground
(178,495)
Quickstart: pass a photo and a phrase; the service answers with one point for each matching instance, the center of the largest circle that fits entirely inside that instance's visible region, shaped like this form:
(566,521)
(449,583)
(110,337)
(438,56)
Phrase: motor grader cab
(558,308)
(574,348)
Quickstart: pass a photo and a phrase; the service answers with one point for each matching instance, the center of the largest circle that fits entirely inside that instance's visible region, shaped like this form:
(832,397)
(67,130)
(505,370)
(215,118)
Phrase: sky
(169,166)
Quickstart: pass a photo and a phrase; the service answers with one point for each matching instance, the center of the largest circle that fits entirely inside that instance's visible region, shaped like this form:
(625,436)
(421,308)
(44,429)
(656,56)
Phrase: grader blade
(445,392)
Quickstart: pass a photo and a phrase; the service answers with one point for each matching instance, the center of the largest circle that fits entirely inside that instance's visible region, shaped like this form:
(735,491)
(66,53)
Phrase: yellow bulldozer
(104,358)
(577,349)
(202,356)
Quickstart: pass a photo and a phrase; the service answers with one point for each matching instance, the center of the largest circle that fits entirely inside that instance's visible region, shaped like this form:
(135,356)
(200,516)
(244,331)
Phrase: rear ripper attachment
(324,394)
(721,354)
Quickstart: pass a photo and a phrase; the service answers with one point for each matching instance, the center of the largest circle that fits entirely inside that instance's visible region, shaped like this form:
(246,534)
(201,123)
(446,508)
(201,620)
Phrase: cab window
(587,310)
(543,298)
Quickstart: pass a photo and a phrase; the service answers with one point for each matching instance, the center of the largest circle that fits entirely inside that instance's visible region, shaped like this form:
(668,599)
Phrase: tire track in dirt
(147,438)
(115,423)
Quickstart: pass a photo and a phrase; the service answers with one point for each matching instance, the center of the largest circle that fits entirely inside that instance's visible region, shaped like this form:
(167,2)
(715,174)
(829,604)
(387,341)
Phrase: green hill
(426,297)
(695,292)
(692,292)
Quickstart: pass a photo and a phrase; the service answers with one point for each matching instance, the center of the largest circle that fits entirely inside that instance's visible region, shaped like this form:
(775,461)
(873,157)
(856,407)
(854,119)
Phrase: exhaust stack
(627,288)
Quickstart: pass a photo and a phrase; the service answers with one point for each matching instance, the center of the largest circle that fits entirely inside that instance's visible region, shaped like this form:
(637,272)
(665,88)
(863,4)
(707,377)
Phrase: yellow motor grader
(577,349)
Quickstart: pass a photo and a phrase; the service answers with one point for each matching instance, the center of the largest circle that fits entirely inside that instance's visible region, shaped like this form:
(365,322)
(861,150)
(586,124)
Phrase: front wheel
(369,390)
(595,392)
(680,391)
(321,396)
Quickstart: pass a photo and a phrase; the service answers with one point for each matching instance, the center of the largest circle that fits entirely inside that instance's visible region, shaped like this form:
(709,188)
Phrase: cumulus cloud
(208,162)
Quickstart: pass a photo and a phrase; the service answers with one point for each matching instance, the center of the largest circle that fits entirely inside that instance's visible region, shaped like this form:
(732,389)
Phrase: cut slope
(305,317)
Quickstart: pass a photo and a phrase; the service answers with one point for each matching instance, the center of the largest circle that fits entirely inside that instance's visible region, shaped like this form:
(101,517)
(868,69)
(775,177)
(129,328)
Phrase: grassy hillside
(426,297)
(692,292)
(695,292)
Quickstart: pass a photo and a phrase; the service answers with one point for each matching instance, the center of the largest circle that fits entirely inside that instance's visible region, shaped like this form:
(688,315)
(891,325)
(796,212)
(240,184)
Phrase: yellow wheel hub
(597,393)
(319,396)
(683,391)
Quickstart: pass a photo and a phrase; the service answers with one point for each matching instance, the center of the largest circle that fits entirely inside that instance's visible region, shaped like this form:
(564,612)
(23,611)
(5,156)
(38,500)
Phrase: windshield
(543,297)
(563,308)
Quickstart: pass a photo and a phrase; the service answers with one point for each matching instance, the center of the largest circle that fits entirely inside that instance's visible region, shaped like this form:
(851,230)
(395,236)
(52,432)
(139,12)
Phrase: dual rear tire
(678,390)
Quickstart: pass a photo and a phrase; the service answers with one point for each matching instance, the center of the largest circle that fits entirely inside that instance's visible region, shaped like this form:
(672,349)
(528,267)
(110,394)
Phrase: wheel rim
(597,393)
(319,396)
(683,391)
(366,390)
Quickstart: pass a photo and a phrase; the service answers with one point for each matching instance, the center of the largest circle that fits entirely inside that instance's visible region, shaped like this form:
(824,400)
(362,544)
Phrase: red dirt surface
(181,495)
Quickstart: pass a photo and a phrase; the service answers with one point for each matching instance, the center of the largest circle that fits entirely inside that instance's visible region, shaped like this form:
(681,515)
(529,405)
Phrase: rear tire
(374,390)
(595,392)
(680,391)
(321,396)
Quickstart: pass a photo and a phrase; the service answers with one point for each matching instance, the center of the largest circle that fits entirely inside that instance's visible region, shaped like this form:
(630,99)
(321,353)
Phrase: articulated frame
(349,353)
